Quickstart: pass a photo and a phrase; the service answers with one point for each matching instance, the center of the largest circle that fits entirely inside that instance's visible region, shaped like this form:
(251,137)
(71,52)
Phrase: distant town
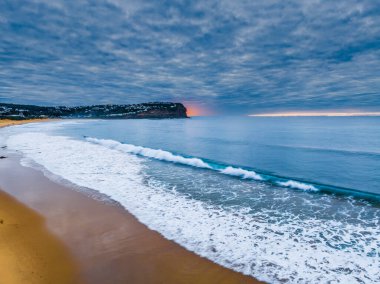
(111,111)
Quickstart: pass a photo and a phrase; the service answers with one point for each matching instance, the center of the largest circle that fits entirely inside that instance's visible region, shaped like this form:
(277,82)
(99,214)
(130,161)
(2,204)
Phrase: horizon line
(313,114)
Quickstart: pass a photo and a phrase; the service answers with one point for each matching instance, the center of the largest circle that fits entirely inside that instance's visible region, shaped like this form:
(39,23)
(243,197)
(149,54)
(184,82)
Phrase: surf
(233,170)
(272,243)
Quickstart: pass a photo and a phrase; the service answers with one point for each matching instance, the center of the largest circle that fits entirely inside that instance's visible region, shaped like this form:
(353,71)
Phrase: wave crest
(297,185)
(241,173)
(150,153)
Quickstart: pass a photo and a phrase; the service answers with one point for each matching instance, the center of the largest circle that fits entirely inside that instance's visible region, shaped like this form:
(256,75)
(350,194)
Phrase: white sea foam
(170,157)
(150,153)
(297,185)
(241,173)
(270,245)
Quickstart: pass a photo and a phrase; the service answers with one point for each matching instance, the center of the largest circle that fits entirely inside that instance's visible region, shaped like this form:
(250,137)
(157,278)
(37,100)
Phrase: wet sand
(29,252)
(108,243)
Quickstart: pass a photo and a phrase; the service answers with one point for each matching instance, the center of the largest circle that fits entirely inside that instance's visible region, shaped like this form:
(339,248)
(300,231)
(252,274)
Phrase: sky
(218,57)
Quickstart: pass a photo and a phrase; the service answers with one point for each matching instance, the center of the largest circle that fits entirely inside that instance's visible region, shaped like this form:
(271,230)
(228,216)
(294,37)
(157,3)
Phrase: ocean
(285,200)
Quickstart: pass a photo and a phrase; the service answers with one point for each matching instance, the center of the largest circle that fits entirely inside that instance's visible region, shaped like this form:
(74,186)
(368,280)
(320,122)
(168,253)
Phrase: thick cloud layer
(230,56)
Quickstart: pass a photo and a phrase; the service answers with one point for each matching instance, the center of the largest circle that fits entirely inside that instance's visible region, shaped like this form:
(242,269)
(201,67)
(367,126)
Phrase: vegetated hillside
(144,110)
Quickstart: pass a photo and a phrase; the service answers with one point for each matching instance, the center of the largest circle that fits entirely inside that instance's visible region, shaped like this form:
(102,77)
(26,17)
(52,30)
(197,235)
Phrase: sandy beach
(203,142)
(90,234)
(8,122)
(29,252)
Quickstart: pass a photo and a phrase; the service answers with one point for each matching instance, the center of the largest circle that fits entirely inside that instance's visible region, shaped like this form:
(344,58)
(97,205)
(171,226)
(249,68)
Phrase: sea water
(281,199)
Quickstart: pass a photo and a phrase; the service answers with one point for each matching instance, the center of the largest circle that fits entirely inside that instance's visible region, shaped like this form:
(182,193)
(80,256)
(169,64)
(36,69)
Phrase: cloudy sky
(223,56)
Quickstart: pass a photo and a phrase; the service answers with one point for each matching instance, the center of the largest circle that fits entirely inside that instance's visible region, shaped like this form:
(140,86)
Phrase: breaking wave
(150,153)
(297,185)
(195,162)
(239,172)
(232,170)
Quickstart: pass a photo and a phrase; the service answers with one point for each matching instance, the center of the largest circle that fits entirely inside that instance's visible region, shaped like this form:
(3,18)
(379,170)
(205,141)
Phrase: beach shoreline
(9,122)
(108,243)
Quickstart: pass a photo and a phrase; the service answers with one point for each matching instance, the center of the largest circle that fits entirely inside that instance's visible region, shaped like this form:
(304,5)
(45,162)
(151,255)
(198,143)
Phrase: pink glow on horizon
(295,114)
(196,110)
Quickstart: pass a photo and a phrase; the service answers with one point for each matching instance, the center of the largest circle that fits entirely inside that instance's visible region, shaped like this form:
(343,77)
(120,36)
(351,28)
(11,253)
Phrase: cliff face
(145,110)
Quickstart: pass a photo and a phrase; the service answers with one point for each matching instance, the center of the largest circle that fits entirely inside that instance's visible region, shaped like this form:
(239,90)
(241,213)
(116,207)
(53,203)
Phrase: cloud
(239,56)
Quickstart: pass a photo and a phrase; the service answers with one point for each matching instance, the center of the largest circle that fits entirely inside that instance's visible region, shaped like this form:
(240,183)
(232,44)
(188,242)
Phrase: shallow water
(246,193)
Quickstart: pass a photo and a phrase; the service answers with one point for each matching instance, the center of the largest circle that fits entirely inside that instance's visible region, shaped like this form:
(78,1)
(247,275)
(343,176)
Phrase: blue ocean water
(282,199)
(336,151)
